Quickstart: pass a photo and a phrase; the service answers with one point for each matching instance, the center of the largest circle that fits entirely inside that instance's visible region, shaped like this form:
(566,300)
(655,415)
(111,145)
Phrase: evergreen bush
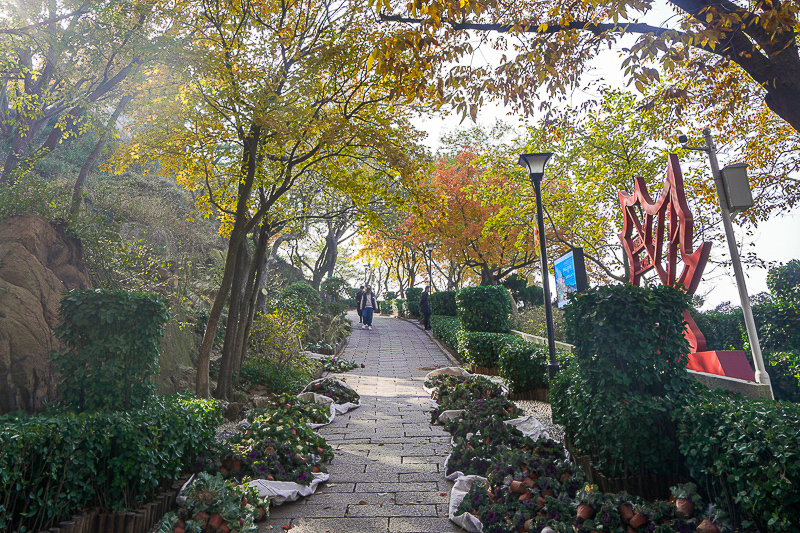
(484,308)
(523,365)
(443,303)
(112,341)
(745,453)
(56,464)
(413,297)
(481,348)
(446,330)
(626,377)
(305,293)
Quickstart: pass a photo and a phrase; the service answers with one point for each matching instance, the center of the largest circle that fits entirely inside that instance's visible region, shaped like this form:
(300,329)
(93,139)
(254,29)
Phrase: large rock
(37,264)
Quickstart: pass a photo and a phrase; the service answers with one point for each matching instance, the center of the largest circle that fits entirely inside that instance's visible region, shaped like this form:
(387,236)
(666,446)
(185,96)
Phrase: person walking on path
(368,305)
(425,307)
(359,309)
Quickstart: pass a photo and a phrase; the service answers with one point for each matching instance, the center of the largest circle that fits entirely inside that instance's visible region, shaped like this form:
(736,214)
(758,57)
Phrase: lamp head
(534,163)
(429,247)
(683,139)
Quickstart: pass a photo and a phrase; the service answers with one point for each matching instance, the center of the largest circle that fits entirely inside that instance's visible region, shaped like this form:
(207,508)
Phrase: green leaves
(111,352)
(523,365)
(58,463)
(484,308)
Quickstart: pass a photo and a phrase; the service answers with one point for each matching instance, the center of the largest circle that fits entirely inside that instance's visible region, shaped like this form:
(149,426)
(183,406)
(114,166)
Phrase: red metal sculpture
(665,231)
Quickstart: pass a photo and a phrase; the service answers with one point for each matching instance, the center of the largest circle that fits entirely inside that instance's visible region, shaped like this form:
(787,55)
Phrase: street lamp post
(534,164)
(726,205)
(429,249)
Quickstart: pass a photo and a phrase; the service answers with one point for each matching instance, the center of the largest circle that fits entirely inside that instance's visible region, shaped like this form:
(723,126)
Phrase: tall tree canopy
(545,43)
(269,95)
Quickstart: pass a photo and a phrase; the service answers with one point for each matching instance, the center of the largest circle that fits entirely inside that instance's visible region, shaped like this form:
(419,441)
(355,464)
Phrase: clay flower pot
(549,492)
(563,478)
(585,512)
(540,502)
(524,496)
(706,526)
(637,521)
(215,521)
(263,514)
(529,482)
(684,508)
(625,511)
(517,487)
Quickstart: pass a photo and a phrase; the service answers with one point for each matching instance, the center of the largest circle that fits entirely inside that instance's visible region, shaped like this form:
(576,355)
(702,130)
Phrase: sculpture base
(732,364)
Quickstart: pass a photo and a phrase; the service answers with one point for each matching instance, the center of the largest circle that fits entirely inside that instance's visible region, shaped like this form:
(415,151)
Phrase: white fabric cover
(341,408)
(530,427)
(446,416)
(450,370)
(460,489)
(323,400)
(279,492)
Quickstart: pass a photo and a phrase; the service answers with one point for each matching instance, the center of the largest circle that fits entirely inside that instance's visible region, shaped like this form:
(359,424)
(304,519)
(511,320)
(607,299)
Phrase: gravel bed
(538,410)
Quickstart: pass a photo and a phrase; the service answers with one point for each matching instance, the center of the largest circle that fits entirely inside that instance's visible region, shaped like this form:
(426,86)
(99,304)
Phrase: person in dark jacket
(359,309)
(425,307)
(368,306)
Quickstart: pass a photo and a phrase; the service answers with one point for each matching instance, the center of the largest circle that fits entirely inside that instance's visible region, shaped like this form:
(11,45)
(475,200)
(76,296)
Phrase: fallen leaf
(443,494)
(362,502)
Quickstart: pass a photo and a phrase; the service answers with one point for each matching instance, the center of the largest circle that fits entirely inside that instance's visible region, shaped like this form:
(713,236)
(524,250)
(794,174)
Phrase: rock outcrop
(37,264)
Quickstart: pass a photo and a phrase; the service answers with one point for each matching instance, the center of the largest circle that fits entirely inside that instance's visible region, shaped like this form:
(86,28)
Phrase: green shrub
(443,303)
(413,297)
(275,337)
(745,453)
(624,433)
(112,340)
(305,293)
(523,365)
(277,377)
(722,327)
(518,285)
(784,374)
(446,330)
(778,325)
(349,302)
(626,376)
(630,337)
(484,309)
(481,348)
(399,306)
(54,465)
(389,295)
(784,282)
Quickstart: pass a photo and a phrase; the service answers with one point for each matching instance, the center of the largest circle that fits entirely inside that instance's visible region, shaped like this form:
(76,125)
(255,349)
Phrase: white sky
(777,240)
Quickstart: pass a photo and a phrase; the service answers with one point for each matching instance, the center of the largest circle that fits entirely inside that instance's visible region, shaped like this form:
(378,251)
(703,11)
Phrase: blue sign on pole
(570,274)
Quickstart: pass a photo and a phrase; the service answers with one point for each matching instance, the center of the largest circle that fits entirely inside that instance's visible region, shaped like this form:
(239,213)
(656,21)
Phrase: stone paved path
(387,475)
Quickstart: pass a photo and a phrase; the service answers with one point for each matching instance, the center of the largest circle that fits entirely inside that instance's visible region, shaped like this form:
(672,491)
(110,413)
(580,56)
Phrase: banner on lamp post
(570,273)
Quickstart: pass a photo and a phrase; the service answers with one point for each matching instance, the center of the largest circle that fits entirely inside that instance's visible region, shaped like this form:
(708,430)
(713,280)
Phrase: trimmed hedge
(745,452)
(443,303)
(413,297)
(523,365)
(626,376)
(399,306)
(446,330)
(54,465)
(484,308)
(784,374)
(481,348)
(112,340)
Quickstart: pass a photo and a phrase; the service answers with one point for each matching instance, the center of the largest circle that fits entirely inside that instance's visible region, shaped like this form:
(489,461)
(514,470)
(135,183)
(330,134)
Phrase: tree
(62,63)
(480,220)
(549,43)
(270,94)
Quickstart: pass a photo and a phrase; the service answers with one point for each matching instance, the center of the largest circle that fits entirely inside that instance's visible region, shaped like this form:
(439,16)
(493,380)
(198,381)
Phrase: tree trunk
(77,190)
(224,389)
(241,227)
(250,297)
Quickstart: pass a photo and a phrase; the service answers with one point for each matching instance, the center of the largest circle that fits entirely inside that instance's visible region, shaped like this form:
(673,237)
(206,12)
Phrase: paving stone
(386,452)
(392,510)
(421,525)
